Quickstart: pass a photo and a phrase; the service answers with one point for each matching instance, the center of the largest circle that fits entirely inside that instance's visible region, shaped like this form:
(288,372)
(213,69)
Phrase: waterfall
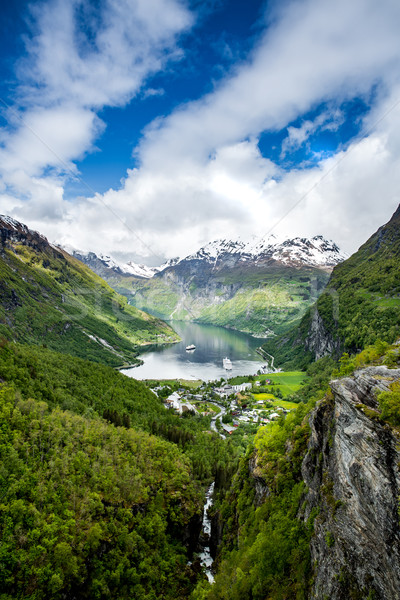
(206,559)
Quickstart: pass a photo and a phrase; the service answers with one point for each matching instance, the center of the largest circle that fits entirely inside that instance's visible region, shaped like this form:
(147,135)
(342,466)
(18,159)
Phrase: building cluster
(184,400)
(228,390)
(179,404)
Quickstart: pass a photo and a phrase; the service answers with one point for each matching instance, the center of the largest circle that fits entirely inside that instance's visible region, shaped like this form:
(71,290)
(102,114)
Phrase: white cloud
(81,58)
(297,136)
(201,174)
(106,61)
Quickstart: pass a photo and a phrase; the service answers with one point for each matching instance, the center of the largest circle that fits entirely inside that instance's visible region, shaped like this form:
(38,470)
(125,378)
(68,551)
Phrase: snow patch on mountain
(316,251)
(109,262)
(15,225)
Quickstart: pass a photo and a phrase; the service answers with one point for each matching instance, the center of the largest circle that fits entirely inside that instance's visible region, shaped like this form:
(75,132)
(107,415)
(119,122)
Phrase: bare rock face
(260,486)
(351,470)
(319,341)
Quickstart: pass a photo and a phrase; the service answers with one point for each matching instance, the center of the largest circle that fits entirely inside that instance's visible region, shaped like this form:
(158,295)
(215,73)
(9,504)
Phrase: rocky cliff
(361,303)
(319,341)
(351,470)
(313,511)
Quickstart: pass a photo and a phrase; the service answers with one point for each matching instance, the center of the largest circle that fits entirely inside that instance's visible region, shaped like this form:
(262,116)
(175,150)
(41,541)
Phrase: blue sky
(145,128)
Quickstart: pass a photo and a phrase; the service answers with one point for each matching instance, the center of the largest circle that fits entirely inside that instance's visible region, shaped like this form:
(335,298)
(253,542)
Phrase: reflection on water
(213,344)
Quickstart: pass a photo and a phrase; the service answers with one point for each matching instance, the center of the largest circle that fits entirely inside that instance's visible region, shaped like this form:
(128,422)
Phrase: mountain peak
(316,251)
(12,230)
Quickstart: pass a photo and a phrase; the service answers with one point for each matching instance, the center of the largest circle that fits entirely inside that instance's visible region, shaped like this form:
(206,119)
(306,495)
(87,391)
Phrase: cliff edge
(351,470)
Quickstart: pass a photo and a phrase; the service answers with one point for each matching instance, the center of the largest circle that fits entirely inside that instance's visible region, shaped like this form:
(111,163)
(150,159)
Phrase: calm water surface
(212,345)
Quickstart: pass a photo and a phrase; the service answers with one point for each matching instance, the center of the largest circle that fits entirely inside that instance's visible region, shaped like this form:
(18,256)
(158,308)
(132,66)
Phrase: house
(228,428)
(242,387)
(273,415)
(175,401)
(225,391)
(186,406)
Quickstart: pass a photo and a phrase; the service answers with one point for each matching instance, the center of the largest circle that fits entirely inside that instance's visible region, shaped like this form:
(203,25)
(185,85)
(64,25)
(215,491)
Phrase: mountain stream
(206,559)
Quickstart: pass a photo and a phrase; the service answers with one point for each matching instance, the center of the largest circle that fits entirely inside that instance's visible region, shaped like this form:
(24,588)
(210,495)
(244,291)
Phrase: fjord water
(213,344)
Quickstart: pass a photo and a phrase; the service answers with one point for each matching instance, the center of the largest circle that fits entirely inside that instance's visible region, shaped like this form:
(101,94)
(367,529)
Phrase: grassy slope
(48,297)
(360,304)
(262,300)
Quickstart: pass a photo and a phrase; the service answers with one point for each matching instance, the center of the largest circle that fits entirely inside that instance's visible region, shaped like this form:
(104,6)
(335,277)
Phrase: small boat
(191,347)
(227,364)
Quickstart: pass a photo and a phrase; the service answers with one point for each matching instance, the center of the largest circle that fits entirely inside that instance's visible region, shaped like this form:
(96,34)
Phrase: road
(219,416)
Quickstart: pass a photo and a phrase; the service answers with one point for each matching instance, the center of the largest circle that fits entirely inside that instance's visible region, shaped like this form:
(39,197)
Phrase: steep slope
(48,297)
(90,508)
(361,303)
(259,287)
(355,486)
(313,510)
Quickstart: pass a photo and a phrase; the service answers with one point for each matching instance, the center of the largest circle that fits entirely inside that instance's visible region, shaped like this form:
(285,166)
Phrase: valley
(106,472)
(261,287)
(200,300)
(48,297)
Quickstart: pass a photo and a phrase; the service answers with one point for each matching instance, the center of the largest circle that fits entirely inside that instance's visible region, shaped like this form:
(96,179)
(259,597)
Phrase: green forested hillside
(48,297)
(90,509)
(361,304)
(97,391)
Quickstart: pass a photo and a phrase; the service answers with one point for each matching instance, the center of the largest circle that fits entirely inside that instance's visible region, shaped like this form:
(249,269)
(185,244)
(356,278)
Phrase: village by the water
(240,402)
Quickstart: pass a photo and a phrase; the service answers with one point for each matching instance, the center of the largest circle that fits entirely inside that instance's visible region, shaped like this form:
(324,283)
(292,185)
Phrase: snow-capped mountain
(105,265)
(258,286)
(297,252)
(314,252)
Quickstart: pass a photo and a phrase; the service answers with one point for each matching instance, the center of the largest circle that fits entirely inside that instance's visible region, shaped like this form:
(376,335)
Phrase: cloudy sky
(146,128)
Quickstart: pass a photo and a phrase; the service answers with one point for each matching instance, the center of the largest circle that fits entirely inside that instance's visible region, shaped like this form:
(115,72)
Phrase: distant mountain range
(105,265)
(314,252)
(47,297)
(261,286)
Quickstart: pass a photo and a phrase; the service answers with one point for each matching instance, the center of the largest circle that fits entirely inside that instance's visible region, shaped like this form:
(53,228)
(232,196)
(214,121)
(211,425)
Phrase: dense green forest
(93,390)
(93,503)
(48,297)
(90,510)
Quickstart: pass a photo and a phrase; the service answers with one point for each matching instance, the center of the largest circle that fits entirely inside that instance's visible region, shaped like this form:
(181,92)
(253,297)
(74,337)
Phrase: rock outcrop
(352,474)
(319,341)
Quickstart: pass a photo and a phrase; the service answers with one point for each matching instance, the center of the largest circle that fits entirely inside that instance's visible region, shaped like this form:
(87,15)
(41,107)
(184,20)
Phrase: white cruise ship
(191,347)
(227,364)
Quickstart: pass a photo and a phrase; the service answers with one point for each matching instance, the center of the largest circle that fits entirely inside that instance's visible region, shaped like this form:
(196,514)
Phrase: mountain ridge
(360,304)
(315,251)
(258,287)
(48,297)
